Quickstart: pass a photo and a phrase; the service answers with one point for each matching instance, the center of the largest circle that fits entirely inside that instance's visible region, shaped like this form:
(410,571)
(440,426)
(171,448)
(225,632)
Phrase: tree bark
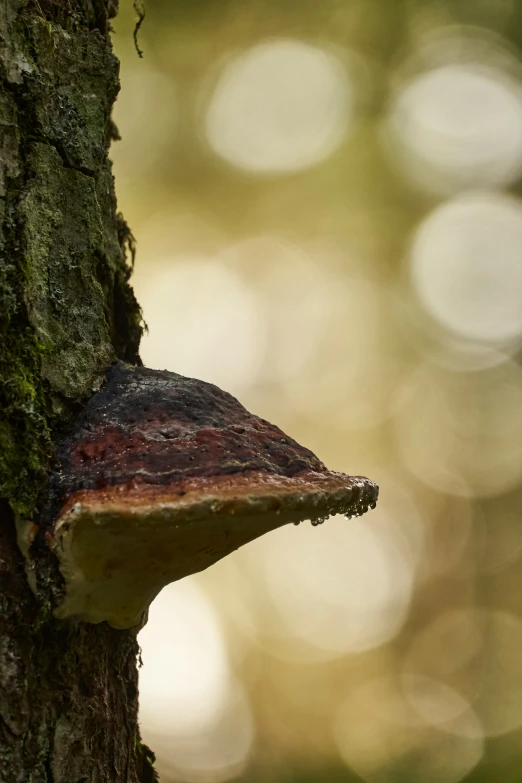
(68,690)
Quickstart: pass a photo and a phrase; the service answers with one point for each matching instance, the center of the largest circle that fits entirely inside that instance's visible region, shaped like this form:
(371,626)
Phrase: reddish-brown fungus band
(164,475)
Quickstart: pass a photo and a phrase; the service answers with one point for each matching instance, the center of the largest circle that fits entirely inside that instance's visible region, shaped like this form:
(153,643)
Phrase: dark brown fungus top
(164,475)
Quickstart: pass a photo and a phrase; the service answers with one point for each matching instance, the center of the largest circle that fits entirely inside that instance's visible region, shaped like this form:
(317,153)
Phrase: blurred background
(326,198)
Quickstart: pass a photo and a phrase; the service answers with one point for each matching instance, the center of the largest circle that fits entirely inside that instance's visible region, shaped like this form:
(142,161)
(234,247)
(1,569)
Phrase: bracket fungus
(164,475)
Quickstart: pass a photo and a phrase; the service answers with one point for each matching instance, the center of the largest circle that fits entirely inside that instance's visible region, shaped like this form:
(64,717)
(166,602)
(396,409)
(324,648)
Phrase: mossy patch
(72,88)
(25,426)
(66,307)
(63,238)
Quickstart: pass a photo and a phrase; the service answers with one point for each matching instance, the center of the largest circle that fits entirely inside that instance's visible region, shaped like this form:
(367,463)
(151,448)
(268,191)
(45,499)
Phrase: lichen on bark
(66,307)
(68,690)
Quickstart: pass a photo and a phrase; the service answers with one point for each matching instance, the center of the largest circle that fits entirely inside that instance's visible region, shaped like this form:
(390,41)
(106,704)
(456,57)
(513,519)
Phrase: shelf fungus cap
(164,475)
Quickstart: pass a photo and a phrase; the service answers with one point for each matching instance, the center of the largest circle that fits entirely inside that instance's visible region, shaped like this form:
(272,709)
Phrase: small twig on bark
(140,10)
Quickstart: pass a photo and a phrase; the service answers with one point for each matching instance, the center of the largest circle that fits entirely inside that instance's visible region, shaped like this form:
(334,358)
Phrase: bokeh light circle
(458,127)
(293,290)
(477,652)
(449,532)
(342,588)
(352,352)
(466,269)
(436,704)
(498,541)
(281,106)
(218,753)
(461,433)
(389,733)
(184,679)
(203,322)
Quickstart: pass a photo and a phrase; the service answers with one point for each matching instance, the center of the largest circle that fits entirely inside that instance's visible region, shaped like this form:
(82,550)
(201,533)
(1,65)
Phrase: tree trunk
(68,690)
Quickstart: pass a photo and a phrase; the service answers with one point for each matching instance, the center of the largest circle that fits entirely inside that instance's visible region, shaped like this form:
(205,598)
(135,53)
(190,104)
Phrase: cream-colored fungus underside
(118,548)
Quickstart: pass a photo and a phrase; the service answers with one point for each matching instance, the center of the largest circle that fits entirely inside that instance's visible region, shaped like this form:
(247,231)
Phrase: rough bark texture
(68,691)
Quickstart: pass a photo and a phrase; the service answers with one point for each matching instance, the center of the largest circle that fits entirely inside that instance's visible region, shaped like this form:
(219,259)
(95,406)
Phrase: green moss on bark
(63,240)
(25,425)
(66,307)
